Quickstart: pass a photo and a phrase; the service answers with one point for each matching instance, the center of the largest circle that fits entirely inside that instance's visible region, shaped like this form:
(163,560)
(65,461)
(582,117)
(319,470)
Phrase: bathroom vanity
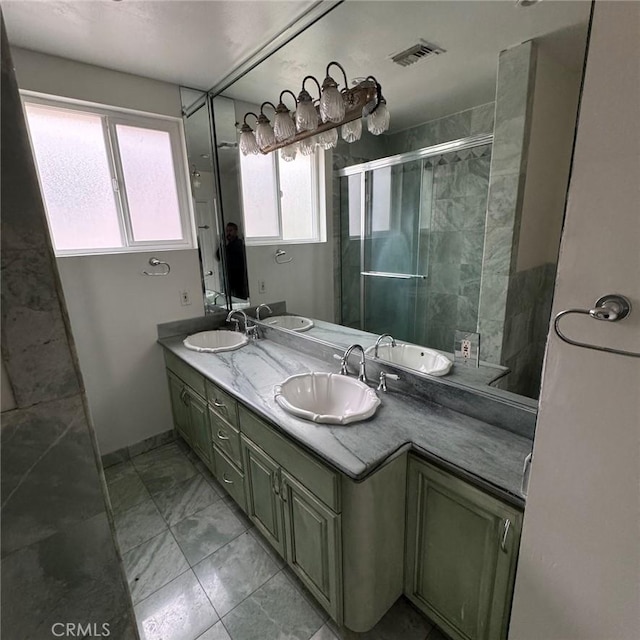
(419,499)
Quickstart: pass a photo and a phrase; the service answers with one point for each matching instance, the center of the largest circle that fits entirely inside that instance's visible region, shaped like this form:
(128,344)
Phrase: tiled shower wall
(59,559)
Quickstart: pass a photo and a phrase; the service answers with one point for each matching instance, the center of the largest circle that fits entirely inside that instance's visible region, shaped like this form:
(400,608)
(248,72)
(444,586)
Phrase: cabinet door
(179,407)
(313,544)
(199,426)
(262,487)
(461,552)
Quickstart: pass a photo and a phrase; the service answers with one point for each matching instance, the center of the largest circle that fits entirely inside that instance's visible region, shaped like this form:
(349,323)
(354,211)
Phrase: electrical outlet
(185,298)
(262,286)
(465,347)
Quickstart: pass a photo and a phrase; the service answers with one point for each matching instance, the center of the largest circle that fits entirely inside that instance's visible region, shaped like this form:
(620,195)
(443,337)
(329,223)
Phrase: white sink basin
(328,398)
(414,357)
(215,341)
(295,323)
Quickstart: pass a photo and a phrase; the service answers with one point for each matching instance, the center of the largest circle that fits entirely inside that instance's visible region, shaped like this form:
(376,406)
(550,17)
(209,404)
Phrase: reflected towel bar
(398,276)
(154,262)
(611,308)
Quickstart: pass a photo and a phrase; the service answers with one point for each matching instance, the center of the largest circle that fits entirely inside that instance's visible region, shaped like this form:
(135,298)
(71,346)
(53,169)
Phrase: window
(283,202)
(111,181)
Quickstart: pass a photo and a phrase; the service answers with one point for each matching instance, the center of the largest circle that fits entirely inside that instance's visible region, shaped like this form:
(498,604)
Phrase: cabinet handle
(275,483)
(219,405)
(505,533)
(225,479)
(283,489)
(221,435)
(183,393)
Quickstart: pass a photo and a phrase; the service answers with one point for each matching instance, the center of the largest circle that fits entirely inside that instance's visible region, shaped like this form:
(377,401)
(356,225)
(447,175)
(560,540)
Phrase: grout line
(247,597)
(162,587)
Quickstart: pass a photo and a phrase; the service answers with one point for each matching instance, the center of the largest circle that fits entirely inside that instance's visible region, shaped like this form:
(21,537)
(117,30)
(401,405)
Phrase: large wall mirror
(445,227)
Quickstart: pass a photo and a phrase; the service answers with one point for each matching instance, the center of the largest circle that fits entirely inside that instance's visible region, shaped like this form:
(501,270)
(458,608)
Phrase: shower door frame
(390,161)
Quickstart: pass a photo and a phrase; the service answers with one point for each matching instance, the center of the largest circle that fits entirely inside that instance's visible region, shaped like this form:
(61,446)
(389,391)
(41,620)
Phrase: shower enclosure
(412,236)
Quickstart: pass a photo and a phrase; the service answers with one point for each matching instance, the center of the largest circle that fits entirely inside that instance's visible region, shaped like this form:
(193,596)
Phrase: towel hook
(154,262)
(610,308)
(279,254)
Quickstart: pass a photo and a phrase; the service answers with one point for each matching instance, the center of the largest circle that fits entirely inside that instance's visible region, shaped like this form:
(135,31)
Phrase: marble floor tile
(164,467)
(275,556)
(217,632)
(178,611)
(234,572)
(275,610)
(127,492)
(208,476)
(204,532)
(324,633)
(185,499)
(237,510)
(118,471)
(401,622)
(153,564)
(138,524)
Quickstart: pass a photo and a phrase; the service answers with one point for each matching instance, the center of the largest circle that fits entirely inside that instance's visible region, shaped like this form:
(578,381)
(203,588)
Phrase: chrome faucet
(247,329)
(379,341)
(362,375)
(262,306)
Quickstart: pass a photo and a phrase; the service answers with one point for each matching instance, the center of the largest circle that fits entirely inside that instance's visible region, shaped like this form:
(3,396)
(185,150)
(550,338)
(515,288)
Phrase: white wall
(113,308)
(579,569)
(553,117)
(61,77)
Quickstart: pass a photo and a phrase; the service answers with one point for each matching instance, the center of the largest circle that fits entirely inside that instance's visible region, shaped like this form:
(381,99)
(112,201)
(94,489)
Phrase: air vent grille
(416,53)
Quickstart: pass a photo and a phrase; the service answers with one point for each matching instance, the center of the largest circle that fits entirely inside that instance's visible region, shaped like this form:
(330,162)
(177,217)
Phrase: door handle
(505,532)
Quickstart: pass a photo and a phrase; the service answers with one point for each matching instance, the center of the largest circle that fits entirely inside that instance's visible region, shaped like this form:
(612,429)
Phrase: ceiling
(185,42)
(362,36)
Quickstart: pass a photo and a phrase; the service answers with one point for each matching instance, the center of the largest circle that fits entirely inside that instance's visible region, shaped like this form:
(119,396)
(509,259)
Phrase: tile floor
(199,570)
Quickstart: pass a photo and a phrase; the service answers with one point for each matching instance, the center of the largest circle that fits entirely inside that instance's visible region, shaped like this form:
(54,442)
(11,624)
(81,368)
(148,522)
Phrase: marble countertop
(490,456)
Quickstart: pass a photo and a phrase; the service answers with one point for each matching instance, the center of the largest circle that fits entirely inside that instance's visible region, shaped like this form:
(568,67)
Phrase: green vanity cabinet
(262,490)
(313,540)
(461,551)
(190,417)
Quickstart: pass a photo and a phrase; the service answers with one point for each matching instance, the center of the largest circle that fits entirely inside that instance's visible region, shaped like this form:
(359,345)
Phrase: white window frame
(318,208)
(112,116)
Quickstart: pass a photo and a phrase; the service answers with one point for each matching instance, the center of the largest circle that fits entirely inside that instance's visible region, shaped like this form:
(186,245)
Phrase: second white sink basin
(414,357)
(215,341)
(328,398)
(294,323)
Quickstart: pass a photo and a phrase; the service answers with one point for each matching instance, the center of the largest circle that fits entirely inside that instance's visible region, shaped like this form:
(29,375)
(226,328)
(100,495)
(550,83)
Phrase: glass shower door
(393,260)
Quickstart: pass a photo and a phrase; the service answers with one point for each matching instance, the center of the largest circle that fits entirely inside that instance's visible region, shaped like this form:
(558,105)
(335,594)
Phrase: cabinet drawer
(222,403)
(318,478)
(225,437)
(185,373)
(230,478)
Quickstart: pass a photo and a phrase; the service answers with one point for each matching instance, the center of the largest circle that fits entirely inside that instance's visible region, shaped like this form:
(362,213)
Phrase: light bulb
(378,121)
(351,131)
(306,114)
(331,102)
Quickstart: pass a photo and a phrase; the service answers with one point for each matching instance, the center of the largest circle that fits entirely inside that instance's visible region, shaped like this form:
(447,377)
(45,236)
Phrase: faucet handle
(384,375)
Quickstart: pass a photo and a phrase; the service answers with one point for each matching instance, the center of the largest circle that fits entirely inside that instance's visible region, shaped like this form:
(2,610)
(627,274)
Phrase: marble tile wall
(60,562)
(514,96)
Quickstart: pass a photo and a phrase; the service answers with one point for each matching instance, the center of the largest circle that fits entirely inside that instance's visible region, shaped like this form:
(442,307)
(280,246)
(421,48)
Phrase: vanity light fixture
(315,121)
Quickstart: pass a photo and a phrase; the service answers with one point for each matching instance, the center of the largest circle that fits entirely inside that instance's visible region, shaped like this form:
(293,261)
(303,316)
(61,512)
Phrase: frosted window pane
(259,196)
(297,198)
(75,176)
(381,200)
(150,181)
(355,203)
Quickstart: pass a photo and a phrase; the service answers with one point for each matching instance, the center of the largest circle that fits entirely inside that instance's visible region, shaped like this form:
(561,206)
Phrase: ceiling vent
(416,53)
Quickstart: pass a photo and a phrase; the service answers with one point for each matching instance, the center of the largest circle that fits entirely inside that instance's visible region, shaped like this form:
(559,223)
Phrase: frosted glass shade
(331,105)
(306,116)
(351,131)
(328,139)
(248,144)
(289,152)
(378,121)
(283,126)
(265,136)
(308,145)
